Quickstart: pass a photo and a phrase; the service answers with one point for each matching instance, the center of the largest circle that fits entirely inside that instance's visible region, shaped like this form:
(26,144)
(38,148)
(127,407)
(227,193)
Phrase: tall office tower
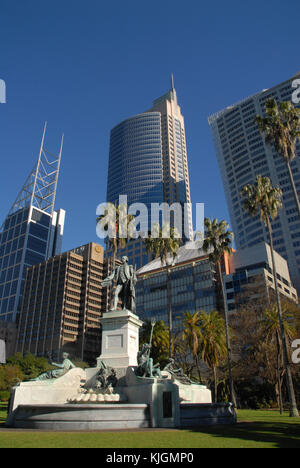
(148,164)
(63,302)
(32,231)
(242,154)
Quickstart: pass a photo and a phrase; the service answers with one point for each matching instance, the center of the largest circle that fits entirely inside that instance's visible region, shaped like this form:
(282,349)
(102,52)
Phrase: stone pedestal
(120,338)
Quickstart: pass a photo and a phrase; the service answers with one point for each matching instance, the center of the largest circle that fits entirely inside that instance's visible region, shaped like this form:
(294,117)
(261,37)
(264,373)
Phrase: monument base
(120,339)
(88,400)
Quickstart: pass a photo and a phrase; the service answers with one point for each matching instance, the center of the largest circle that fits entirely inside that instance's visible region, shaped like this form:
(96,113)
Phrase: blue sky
(85,66)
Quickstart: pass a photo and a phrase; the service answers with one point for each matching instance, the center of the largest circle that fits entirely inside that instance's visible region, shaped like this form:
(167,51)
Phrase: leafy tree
(264,199)
(30,365)
(10,375)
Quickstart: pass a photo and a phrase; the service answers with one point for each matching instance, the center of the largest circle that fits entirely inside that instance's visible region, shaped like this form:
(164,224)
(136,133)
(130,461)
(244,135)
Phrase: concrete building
(31,233)
(148,163)
(253,277)
(63,303)
(242,154)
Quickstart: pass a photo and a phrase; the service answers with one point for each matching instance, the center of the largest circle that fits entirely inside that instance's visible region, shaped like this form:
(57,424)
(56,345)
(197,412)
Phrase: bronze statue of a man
(125,278)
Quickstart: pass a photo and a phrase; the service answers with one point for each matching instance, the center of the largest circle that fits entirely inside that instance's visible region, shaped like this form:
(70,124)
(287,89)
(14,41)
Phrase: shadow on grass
(278,435)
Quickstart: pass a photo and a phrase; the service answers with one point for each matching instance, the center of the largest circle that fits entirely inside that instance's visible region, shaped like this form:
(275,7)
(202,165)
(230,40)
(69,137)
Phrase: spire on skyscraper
(172,81)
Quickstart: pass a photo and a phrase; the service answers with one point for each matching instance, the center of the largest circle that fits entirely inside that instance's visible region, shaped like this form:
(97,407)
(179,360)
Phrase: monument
(125,389)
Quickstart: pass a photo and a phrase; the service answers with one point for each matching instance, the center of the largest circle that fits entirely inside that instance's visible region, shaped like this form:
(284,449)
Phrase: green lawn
(256,429)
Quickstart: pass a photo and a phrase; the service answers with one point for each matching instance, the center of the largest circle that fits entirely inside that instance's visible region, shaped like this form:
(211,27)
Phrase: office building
(252,279)
(63,302)
(243,154)
(188,285)
(32,231)
(148,163)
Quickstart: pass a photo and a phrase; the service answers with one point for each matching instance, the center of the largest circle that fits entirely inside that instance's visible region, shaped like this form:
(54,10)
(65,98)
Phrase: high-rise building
(190,284)
(62,304)
(243,154)
(148,163)
(32,231)
(252,278)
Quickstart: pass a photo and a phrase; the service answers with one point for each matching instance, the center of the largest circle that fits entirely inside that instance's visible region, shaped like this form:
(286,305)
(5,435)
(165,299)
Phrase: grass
(255,429)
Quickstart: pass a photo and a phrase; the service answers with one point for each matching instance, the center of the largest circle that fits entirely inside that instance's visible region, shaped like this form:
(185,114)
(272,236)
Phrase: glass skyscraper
(242,154)
(148,164)
(135,161)
(31,233)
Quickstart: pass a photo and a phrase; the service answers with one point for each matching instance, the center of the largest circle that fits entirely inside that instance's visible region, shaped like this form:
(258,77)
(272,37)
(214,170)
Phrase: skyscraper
(31,232)
(243,154)
(148,163)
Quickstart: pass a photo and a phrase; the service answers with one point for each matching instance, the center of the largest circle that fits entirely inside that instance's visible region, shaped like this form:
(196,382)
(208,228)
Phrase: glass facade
(187,288)
(136,170)
(24,241)
(135,161)
(148,164)
(243,154)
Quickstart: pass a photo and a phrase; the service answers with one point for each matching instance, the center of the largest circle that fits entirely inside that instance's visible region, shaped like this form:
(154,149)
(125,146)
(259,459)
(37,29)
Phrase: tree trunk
(292,399)
(198,367)
(278,373)
(229,355)
(170,314)
(216,384)
(293,186)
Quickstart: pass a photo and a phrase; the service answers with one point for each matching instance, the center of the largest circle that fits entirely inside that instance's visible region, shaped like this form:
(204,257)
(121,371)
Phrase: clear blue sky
(84,66)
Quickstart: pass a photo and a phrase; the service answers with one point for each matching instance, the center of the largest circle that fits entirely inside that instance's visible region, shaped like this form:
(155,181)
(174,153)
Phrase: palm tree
(119,226)
(160,339)
(191,335)
(212,342)
(165,243)
(271,330)
(218,240)
(264,199)
(281,128)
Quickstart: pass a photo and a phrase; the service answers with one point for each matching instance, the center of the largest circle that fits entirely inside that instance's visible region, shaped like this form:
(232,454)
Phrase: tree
(119,226)
(271,327)
(164,244)
(160,340)
(264,199)
(218,240)
(212,343)
(191,335)
(281,127)
(30,365)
